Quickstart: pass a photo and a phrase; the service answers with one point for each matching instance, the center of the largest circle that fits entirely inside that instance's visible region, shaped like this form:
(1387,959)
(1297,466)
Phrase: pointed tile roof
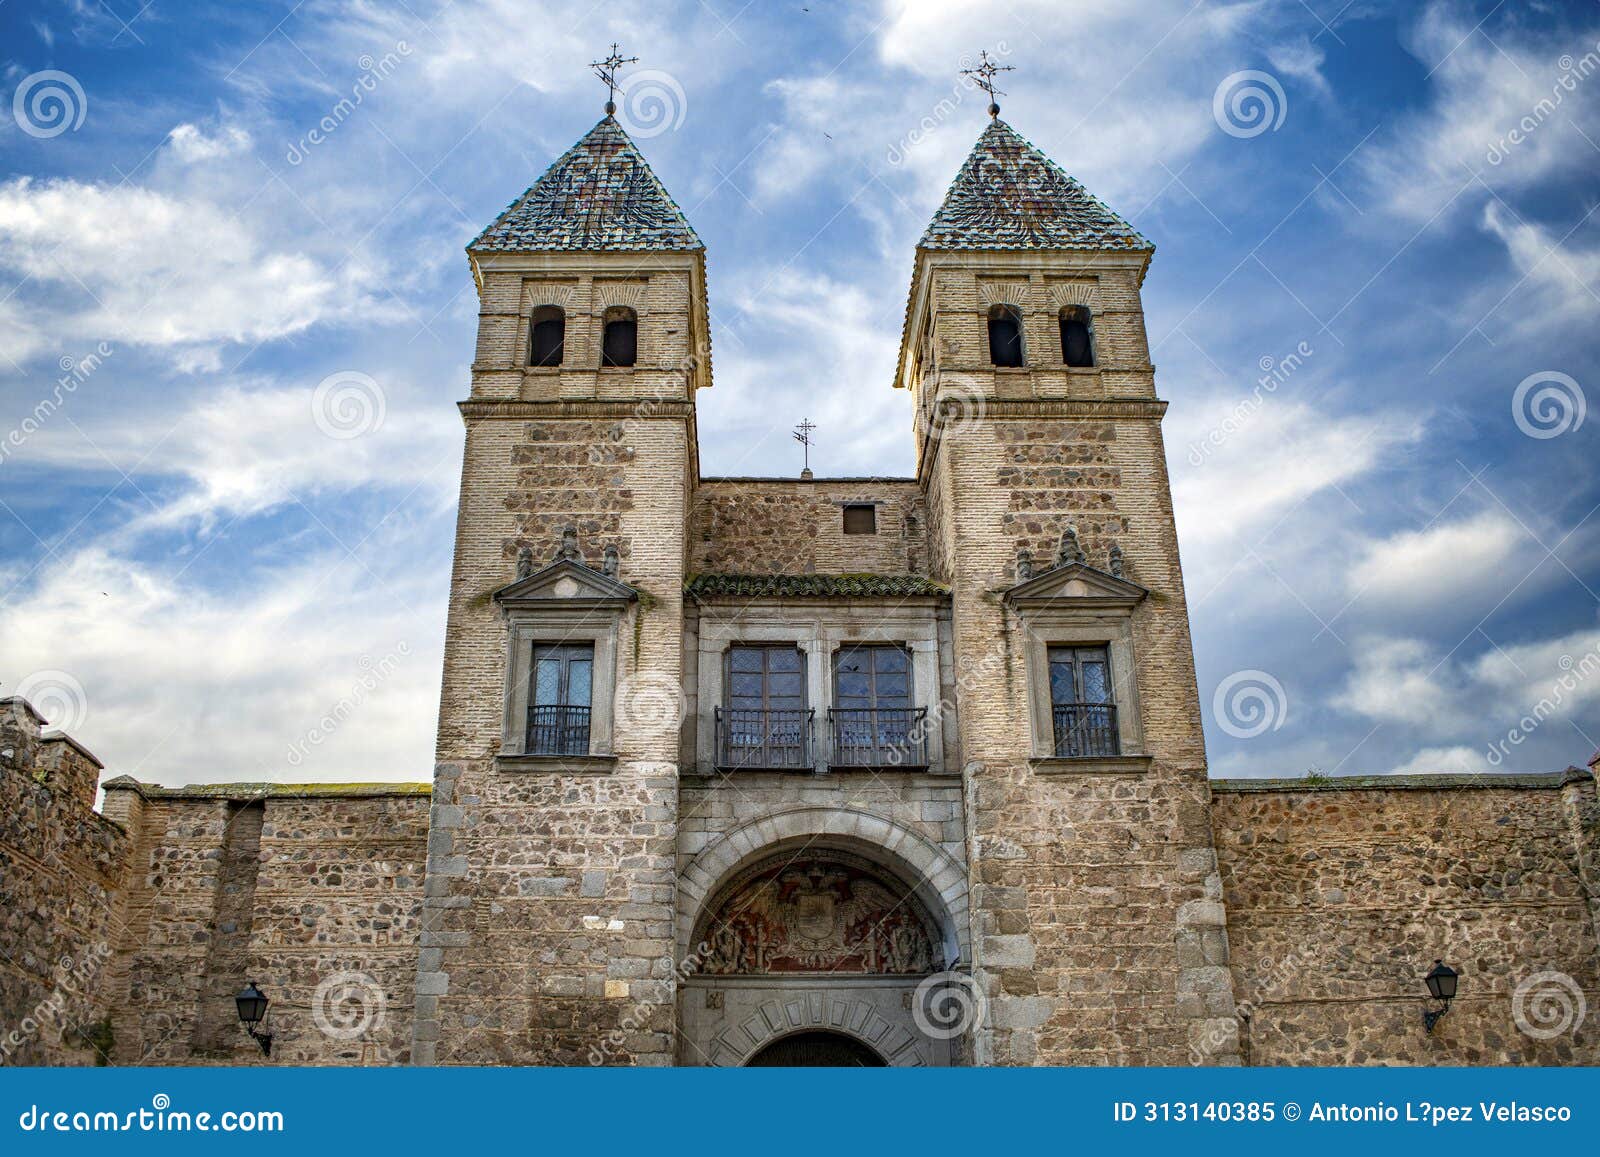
(599,194)
(1009,195)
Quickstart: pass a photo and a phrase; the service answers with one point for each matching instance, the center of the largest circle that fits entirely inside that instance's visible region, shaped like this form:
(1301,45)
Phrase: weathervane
(606,70)
(983,77)
(802,435)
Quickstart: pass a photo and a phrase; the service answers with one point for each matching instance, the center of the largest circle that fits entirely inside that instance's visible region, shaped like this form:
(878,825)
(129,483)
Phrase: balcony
(879,737)
(558,729)
(1085,730)
(764,740)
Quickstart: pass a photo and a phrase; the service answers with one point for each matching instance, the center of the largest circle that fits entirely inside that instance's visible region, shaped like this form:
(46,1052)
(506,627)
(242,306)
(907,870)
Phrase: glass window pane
(1061,688)
(785,684)
(578,680)
(783,659)
(747,686)
(891,659)
(1096,687)
(547,681)
(893,690)
(853,685)
(746,659)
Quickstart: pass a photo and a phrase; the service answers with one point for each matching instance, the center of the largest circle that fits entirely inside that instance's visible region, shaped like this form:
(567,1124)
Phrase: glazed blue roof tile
(1009,195)
(598,195)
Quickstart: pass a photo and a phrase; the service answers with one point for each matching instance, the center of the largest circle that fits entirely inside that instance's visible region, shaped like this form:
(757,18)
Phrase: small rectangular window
(1083,715)
(861,519)
(559,703)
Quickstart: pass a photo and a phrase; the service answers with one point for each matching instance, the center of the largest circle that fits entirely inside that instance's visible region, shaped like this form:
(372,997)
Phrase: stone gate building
(871,770)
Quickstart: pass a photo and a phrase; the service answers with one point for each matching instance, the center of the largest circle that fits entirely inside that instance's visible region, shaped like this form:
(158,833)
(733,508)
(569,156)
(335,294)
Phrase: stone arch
(810,1011)
(936,878)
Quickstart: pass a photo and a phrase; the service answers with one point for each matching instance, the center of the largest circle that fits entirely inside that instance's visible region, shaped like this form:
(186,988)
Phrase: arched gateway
(815,948)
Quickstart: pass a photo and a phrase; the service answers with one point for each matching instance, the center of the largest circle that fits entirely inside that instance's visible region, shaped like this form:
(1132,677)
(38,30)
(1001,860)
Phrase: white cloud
(185,684)
(246,449)
(1301,59)
(1541,688)
(1433,760)
(190,144)
(147,267)
(1488,84)
(1449,564)
(1564,278)
(1279,455)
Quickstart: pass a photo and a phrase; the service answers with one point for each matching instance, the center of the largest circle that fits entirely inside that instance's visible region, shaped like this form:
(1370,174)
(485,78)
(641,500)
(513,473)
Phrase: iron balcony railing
(1085,730)
(773,740)
(558,729)
(879,737)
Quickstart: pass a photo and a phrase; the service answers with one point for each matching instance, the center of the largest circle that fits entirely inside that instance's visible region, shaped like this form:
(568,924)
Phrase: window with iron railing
(1083,716)
(872,722)
(766,723)
(559,699)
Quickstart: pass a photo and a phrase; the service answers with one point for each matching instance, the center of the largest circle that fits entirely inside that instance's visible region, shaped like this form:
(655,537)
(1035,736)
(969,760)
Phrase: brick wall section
(1341,896)
(1097,906)
(549,901)
(766,526)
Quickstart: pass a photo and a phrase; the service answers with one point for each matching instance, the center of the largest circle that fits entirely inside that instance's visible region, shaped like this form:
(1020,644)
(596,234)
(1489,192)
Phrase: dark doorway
(825,1049)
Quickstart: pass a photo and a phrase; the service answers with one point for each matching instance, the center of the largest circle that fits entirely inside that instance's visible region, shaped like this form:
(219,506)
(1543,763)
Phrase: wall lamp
(252,1004)
(1441,981)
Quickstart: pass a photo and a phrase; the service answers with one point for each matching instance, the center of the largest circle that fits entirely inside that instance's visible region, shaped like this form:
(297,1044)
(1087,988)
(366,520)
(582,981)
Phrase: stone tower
(1098,921)
(549,896)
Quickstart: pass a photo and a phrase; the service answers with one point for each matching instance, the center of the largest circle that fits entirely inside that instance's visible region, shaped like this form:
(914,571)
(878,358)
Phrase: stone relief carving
(819,916)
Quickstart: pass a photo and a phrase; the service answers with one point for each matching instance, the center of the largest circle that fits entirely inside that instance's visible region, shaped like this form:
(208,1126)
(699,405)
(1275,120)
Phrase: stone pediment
(566,582)
(1076,584)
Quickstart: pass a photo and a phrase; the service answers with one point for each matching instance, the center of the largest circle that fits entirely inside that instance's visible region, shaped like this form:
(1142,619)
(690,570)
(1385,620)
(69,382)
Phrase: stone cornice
(639,409)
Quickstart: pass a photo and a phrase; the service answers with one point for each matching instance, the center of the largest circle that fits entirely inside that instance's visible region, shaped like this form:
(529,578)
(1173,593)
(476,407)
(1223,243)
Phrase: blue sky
(230,349)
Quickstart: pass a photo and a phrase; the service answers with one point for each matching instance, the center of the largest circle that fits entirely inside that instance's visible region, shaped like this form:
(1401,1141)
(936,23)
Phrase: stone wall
(796,526)
(313,892)
(60,867)
(1341,894)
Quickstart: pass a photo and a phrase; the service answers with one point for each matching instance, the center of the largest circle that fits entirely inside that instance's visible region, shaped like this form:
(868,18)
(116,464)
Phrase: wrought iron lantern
(252,1004)
(1441,981)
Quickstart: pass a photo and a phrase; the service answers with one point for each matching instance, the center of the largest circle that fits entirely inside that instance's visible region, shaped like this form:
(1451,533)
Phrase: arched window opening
(1077,336)
(1005,336)
(547,336)
(619,344)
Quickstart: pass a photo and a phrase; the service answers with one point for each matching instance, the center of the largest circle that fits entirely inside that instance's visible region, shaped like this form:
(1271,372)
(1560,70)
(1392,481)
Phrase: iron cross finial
(983,77)
(802,435)
(606,70)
